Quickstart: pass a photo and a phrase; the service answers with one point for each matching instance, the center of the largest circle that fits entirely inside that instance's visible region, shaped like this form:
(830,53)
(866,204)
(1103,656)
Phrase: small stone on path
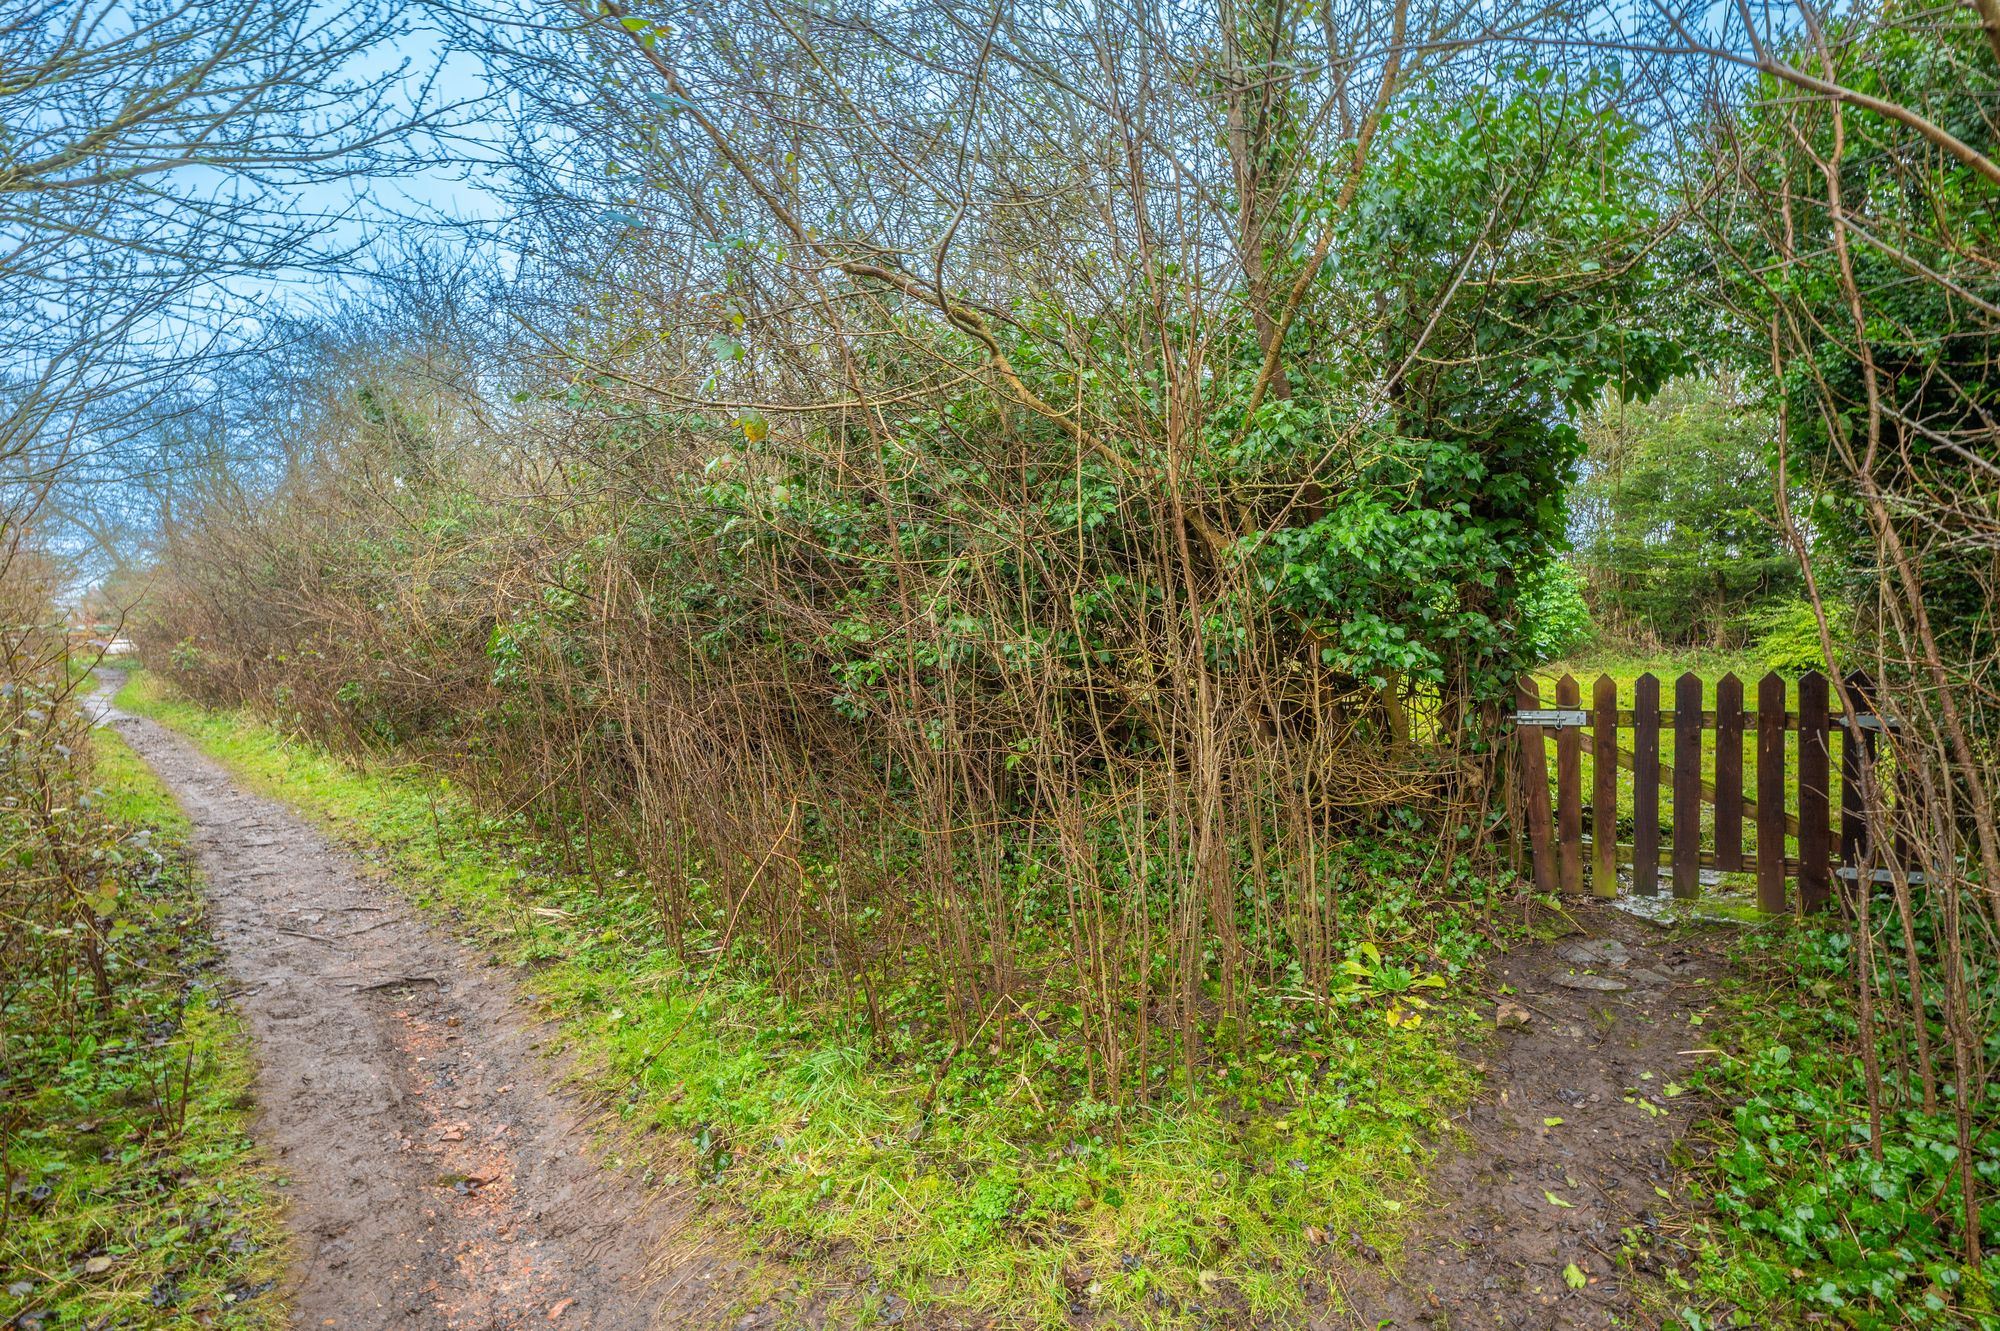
(1595,952)
(1602,984)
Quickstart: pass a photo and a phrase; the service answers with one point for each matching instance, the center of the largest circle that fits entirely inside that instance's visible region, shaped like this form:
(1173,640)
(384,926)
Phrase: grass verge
(965,1180)
(134,1196)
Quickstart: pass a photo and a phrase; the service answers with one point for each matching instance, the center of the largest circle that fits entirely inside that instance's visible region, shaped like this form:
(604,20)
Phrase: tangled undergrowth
(978,1175)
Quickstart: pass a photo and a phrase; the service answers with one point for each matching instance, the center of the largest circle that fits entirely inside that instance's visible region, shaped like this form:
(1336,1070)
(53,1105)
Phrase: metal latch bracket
(1555,718)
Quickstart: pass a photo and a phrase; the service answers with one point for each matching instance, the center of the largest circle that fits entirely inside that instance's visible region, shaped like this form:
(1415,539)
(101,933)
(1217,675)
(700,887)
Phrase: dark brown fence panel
(1554,819)
(1729,774)
(1535,788)
(1771,794)
(1604,787)
(1569,792)
(1856,746)
(1687,787)
(1646,786)
(1815,835)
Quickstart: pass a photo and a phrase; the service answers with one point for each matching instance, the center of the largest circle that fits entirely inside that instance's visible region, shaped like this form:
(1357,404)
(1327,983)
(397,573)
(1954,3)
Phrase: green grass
(137,1198)
(1626,667)
(1008,1198)
(128,792)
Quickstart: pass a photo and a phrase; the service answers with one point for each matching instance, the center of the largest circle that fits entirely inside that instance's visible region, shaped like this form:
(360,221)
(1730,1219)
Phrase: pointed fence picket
(1790,815)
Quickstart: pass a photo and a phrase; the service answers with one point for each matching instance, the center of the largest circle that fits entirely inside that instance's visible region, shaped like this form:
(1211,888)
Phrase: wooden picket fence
(1789,807)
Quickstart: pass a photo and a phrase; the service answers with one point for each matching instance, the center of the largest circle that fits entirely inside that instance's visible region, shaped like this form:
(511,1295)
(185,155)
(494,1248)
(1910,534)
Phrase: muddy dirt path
(436,1183)
(1569,1139)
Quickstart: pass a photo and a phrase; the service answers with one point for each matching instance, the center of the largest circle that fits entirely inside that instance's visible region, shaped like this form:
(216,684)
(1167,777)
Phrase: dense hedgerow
(1081,707)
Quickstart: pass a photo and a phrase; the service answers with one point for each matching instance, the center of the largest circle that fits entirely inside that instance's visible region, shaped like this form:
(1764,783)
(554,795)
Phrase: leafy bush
(882,681)
(1554,613)
(1787,634)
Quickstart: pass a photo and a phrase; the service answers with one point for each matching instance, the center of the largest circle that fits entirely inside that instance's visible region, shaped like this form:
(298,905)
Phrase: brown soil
(435,1181)
(1492,1246)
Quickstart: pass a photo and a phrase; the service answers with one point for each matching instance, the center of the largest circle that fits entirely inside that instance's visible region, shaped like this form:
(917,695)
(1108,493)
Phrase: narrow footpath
(1557,1209)
(436,1182)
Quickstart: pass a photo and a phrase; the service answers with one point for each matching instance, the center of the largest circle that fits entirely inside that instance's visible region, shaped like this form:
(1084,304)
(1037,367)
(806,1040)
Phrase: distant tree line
(1674,526)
